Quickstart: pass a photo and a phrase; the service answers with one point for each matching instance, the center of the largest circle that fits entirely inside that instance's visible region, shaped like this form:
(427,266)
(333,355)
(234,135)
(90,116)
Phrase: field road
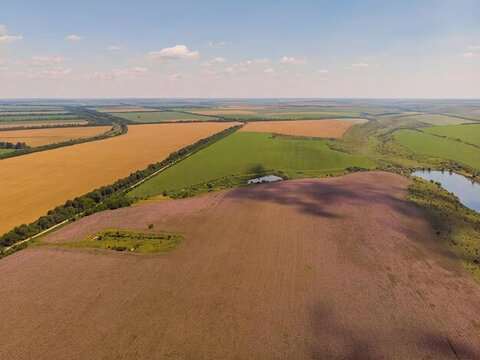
(336,268)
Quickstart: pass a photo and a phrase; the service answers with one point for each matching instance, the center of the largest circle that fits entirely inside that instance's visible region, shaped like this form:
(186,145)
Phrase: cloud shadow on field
(335,340)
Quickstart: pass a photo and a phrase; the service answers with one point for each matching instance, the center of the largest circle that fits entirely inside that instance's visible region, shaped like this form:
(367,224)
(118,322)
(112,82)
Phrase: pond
(466,191)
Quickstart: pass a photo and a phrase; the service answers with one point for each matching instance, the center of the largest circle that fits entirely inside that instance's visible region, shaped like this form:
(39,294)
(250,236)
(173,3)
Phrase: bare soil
(339,268)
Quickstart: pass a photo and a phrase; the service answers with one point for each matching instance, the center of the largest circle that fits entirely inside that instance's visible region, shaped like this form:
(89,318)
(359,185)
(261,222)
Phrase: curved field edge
(106,197)
(230,161)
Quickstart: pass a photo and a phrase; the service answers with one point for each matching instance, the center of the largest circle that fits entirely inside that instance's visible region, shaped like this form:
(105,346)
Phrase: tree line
(15,146)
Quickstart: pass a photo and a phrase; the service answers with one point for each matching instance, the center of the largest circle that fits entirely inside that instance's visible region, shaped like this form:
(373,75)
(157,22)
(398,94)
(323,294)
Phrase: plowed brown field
(341,268)
(314,128)
(39,137)
(33,184)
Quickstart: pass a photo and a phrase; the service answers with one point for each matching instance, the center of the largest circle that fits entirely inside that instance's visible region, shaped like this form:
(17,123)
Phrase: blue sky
(348,48)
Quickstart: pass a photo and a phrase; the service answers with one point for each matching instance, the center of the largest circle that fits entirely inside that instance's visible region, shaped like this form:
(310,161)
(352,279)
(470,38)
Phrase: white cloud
(269,71)
(360,65)
(323,71)
(47,60)
(178,52)
(470,55)
(73,38)
(217,44)
(55,73)
(127,73)
(114,48)
(215,61)
(292,60)
(474,47)
(6,38)
(175,77)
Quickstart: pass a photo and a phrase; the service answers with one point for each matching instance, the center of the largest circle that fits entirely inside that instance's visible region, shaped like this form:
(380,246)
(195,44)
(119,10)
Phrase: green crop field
(466,133)
(252,153)
(159,116)
(438,147)
(440,119)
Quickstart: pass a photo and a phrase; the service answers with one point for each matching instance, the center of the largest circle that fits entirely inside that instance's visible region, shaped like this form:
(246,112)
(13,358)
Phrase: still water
(462,187)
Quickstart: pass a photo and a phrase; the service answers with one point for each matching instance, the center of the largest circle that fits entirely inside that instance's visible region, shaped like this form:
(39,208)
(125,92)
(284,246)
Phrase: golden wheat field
(39,137)
(35,183)
(313,128)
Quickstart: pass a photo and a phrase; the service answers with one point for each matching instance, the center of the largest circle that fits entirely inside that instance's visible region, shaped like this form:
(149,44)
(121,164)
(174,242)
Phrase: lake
(466,191)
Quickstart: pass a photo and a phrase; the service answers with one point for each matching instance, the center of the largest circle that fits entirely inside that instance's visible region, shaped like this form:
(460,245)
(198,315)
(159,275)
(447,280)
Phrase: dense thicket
(16,146)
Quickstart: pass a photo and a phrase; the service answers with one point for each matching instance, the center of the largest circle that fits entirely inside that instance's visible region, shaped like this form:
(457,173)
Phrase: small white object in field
(265,179)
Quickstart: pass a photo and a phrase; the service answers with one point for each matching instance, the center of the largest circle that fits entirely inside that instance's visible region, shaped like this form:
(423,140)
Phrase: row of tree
(107,197)
(15,146)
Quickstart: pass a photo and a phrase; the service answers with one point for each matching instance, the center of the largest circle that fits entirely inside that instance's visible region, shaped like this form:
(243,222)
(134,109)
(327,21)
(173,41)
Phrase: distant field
(247,153)
(40,137)
(160,116)
(122,109)
(34,117)
(439,119)
(36,112)
(466,133)
(314,128)
(270,113)
(27,123)
(35,183)
(434,146)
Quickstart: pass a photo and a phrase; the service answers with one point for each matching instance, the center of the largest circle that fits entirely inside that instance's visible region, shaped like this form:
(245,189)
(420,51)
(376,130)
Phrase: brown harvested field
(39,137)
(35,183)
(14,124)
(340,268)
(314,128)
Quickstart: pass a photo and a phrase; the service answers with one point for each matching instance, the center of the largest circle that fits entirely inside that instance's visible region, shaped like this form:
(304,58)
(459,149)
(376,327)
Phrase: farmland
(466,133)
(35,183)
(40,137)
(302,269)
(276,113)
(429,145)
(246,153)
(440,119)
(161,116)
(310,128)
(41,123)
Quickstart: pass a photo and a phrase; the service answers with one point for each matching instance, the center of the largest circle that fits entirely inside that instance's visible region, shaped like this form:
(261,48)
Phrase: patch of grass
(426,144)
(455,225)
(6,151)
(243,153)
(129,241)
(159,116)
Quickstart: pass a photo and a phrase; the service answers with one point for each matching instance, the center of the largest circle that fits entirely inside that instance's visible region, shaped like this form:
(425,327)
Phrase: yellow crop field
(313,128)
(35,183)
(39,137)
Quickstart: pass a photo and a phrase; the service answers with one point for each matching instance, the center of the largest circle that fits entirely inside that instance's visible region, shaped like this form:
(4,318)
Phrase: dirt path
(338,268)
